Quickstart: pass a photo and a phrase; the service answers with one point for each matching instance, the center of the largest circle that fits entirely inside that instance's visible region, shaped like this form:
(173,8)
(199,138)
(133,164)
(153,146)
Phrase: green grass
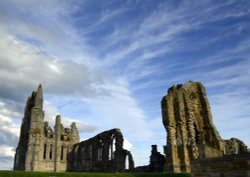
(72,174)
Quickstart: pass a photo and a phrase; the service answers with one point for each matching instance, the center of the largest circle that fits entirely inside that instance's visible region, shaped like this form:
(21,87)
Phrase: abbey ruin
(191,134)
(193,142)
(40,148)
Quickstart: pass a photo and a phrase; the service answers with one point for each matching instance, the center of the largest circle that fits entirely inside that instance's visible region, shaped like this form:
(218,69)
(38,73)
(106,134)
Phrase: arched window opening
(61,152)
(126,162)
(67,155)
(110,151)
(99,154)
(112,147)
(90,151)
(44,151)
(114,144)
(50,152)
(192,96)
(82,152)
(197,131)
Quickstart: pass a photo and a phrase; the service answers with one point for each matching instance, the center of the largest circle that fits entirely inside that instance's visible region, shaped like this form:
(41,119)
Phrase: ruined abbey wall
(41,148)
(192,141)
(191,133)
(102,153)
(225,166)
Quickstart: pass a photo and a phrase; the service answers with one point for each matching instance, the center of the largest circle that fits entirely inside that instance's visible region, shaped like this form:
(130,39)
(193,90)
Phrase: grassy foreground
(71,174)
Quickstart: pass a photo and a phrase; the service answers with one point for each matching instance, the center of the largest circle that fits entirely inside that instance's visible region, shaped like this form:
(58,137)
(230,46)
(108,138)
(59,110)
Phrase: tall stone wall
(191,133)
(57,145)
(102,153)
(41,148)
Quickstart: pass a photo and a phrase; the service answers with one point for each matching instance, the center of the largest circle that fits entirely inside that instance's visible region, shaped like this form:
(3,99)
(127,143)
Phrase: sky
(107,64)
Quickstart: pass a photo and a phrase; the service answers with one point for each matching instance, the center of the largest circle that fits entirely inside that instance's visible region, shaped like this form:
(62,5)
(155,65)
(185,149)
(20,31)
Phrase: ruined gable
(41,148)
(191,133)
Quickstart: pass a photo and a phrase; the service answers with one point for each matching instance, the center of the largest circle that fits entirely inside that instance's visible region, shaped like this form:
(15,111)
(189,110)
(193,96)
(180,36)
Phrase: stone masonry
(102,153)
(226,166)
(156,162)
(40,148)
(191,133)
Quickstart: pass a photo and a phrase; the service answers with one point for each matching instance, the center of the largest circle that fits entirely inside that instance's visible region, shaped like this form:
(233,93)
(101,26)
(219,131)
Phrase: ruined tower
(27,153)
(191,133)
(39,147)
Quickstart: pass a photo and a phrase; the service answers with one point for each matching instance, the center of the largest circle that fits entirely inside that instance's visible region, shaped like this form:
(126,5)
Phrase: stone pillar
(57,150)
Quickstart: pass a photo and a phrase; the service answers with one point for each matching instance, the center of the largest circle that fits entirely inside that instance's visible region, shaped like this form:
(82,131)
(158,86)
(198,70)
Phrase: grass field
(43,174)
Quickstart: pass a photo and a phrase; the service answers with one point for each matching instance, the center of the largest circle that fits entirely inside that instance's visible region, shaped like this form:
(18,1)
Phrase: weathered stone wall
(57,144)
(234,146)
(191,133)
(188,121)
(226,166)
(102,153)
(205,151)
(29,146)
(41,148)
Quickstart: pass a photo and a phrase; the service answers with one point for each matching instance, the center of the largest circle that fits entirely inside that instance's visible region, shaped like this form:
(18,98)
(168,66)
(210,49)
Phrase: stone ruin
(193,142)
(102,153)
(191,134)
(40,148)
(156,162)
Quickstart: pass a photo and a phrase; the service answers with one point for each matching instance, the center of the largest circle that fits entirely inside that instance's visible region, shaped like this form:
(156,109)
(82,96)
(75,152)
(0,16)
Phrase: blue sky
(107,64)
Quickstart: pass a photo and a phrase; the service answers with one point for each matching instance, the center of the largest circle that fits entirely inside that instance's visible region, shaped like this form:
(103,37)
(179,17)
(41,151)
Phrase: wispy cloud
(31,56)
(107,64)
(166,31)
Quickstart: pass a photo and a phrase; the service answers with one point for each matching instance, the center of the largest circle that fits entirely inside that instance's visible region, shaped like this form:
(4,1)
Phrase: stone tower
(191,133)
(39,147)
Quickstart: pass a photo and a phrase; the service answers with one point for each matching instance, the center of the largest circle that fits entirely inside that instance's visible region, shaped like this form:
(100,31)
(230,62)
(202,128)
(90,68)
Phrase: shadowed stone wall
(226,166)
(156,162)
(102,153)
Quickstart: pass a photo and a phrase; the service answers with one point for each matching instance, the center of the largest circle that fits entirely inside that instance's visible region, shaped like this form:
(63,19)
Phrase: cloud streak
(107,64)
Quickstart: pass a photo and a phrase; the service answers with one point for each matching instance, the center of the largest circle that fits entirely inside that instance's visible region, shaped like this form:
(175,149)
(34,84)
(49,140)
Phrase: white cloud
(120,110)
(51,112)
(7,151)
(6,156)
(161,33)
(25,66)
(9,134)
(9,129)
(42,43)
(126,144)
(231,114)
